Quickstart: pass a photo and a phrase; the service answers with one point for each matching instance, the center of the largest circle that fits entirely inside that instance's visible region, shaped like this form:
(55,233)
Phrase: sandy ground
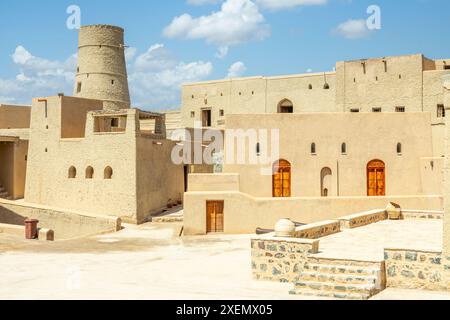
(142,262)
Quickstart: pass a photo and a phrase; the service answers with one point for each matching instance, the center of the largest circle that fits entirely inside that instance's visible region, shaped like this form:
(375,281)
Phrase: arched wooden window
(313,148)
(399,148)
(344,148)
(285,106)
(376,178)
(108,173)
(89,172)
(72,172)
(281,179)
(325,181)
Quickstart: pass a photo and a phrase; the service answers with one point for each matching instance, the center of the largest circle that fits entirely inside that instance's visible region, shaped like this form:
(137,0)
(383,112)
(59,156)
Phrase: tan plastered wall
(65,223)
(51,157)
(368,137)
(13,158)
(257,95)
(243,213)
(14,117)
(159,180)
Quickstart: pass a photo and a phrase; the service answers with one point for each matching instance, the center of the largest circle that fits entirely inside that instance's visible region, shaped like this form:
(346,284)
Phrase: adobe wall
(14,117)
(257,95)
(243,213)
(51,157)
(65,223)
(368,136)
(159,180)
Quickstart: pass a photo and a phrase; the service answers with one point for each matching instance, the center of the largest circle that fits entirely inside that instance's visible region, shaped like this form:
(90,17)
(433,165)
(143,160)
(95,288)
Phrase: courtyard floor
(367,243)
(151,262)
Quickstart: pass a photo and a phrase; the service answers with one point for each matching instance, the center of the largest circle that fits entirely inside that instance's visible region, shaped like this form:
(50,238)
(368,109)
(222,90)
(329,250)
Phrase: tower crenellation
(101,70)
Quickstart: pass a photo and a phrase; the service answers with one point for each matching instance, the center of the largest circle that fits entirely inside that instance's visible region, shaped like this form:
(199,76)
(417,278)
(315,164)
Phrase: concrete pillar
(446,240)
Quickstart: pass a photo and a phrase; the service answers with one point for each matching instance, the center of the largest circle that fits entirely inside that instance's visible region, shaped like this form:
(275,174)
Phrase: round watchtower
(101,70)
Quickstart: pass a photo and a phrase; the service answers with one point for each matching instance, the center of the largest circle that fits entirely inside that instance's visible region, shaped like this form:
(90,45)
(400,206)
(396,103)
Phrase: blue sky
(178,41)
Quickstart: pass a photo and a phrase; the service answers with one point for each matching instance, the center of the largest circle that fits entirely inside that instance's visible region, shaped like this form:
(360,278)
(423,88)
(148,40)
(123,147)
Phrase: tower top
(101,70)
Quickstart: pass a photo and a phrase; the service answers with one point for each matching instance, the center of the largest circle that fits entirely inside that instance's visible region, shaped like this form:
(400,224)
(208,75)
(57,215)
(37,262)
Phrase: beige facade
(90,165)
(333,126)
(412,177)
(392,84)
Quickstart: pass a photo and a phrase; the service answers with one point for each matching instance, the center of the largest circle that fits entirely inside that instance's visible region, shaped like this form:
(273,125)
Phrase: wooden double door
(282,179)
(376,178)
(214,216)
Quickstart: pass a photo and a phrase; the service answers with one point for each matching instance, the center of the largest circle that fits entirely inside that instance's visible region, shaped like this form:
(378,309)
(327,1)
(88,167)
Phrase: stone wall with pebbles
(280,259)
(412,269)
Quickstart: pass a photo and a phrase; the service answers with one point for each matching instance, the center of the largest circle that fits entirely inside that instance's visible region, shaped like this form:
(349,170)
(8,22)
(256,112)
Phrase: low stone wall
(318,230)
(65,224)
(414,269)
(419,214)
(280,259)
(12,229)
(363,219)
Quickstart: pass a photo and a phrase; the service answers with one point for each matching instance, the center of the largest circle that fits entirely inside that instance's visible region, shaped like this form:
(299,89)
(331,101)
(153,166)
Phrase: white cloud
(287,4)
(353,29)
(238,21)
(155,77)
(236,70)
(37,77)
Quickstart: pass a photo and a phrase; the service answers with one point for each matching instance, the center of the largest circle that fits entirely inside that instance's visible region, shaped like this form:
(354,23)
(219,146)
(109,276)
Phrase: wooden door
(376,178)
(214,216)
(282,179)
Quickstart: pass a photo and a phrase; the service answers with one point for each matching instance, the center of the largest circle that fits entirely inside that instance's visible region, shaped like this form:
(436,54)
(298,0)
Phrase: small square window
(222,113)
(376,110)
(354,110)
(114,122)
(440,111)
(400,109)
(192,114)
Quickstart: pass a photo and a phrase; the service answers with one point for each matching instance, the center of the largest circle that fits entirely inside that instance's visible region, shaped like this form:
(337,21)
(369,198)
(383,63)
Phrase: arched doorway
(285,106)
(281,179)
(376,178)
(325,181)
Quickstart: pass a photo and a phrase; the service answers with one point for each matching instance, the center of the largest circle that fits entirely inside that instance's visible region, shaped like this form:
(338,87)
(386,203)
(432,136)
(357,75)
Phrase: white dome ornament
(285,228)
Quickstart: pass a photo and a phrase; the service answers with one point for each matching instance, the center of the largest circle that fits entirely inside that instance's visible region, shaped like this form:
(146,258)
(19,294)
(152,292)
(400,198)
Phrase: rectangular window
(222,113)
(446,67)
(354,110)
(440,111)
(400,109)
(376,110)
(78,87)
(114,122)
(192,114)
(206,118)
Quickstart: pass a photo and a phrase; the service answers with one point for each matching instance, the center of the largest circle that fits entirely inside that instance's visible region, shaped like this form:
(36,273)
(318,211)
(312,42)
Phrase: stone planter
(394,211)
(285,228)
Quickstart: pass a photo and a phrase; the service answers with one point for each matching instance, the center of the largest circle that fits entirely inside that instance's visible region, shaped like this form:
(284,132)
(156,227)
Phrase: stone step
(338,278)
(344,262)
(342,269)
(329,294)
(336,288)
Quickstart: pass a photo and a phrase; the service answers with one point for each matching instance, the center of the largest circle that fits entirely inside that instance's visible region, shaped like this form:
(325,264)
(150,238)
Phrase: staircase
(4,194)
(340,279)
